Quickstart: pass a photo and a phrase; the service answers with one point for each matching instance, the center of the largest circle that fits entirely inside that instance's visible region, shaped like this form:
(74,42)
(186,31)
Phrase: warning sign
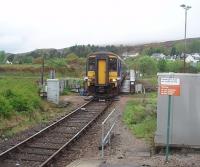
(170,86)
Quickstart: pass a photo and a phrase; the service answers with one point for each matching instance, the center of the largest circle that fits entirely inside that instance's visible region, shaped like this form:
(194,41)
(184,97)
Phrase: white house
(190,59)
(126,55)
(196,56)
(8,62)
(170,58)
(158,56)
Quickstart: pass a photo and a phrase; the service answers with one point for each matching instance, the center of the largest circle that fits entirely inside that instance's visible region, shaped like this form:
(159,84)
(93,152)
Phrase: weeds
(18,95)
(140,116)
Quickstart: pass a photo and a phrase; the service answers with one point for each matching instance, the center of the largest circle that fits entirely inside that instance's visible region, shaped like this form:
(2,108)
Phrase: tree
(162,65)
(194,46)
(173,51)
(72,58)
(2,57)
(174,66)
(37,60)
(147,65)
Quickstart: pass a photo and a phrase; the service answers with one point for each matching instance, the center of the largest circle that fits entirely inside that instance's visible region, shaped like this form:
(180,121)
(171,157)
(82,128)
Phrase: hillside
(84,50)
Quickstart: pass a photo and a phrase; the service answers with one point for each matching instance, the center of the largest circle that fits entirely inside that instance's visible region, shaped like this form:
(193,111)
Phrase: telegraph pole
(42,76)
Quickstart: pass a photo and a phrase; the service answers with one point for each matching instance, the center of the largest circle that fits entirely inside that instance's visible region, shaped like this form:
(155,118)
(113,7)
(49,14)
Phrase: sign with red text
(170,86)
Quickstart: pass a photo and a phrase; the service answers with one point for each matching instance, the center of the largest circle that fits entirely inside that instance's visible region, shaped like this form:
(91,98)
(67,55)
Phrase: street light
(186,8)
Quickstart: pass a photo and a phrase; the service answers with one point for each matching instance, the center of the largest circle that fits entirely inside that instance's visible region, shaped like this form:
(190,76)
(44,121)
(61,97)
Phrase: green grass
(18,95)
(66,91)
(140,116)
(21,107)
(21,121)
(71,69)
(152,79)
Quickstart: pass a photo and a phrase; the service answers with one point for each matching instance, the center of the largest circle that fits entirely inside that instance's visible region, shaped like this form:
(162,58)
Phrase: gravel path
(127,151)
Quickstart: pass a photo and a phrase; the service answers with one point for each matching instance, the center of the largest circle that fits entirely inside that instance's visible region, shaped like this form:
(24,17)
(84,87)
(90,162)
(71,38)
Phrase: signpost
(169,86)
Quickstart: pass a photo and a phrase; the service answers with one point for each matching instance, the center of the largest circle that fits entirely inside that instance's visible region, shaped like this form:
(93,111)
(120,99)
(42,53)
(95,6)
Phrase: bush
(162,65)
(5,107)
(18,96)
(147,65)
(140,116)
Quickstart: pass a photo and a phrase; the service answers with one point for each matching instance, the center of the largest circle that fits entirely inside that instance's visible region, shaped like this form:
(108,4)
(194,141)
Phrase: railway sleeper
(29,157)
(66,131)
(90,115)
(14,163)
(45,146)
(38,151)
(59,135)
(58,140)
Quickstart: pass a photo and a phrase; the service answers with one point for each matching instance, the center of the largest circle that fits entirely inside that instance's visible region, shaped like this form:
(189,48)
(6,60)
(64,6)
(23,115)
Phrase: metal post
(102,142)
(186,8)
(168,127)
(42,76)
(185,39)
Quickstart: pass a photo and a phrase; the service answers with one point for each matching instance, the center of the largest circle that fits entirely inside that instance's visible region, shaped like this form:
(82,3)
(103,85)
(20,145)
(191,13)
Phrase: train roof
(103,53)
(108,53)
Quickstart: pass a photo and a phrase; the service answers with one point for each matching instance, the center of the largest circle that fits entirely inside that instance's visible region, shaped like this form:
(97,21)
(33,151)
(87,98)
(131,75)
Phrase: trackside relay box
(185,109)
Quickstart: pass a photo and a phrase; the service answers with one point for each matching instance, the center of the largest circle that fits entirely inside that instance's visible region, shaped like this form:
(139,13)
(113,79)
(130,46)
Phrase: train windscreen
(91,64)
(112,64)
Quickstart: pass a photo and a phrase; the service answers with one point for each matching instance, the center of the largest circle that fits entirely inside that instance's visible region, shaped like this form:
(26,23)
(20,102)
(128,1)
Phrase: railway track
(42,148)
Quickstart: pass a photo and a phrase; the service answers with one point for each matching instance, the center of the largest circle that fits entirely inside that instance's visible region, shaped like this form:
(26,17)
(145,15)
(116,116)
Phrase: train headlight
(113,80)
(85,78)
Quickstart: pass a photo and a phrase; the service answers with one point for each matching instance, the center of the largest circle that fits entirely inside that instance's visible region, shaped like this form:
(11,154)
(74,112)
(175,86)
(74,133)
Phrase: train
(105,72)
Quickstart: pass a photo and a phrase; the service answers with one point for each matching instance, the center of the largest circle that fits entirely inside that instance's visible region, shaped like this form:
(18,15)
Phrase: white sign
(170,86)
(170,81)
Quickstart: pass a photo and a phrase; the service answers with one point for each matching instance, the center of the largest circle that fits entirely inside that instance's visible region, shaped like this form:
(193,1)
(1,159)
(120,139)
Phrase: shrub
(5,107)
(19,95)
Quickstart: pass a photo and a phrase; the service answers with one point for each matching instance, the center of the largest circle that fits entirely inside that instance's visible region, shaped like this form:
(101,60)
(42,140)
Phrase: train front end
(103,74)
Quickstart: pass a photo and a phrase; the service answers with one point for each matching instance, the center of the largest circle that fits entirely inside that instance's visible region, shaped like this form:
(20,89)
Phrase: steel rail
(3,154)
(72,139)
(58,123)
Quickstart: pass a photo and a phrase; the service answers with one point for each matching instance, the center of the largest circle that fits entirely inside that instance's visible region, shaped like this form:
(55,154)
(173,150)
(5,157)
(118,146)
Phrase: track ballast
(43,147)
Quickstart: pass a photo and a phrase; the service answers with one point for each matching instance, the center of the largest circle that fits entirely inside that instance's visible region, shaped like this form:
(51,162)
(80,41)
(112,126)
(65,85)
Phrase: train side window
(91,64)
(112,64)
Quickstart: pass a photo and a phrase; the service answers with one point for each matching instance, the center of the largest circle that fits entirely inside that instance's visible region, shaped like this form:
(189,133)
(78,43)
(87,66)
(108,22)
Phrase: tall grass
(18,95)
(140,116)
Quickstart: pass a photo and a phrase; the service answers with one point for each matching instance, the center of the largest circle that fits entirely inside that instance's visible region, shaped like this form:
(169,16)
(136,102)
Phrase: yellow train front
(104,74)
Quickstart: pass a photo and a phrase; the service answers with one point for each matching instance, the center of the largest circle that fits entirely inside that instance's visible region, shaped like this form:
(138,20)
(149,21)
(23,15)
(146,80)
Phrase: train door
(101,71)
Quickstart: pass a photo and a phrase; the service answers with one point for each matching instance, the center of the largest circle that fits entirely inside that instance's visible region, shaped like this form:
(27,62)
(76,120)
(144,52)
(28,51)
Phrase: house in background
(8,62)
(191,59)
(170,58)
(158,56)
(196,56)
(126,55)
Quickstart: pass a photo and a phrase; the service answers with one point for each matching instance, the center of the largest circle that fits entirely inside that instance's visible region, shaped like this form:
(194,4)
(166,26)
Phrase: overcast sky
(26,25)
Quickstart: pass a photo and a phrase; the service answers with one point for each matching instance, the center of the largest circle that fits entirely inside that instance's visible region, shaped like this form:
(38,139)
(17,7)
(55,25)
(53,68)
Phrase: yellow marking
(113,78)
(101,72)
(91,74)
(113,74)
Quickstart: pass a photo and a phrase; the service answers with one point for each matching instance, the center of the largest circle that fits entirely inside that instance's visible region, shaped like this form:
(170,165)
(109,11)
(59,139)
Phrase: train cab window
(91,64)
(112,64)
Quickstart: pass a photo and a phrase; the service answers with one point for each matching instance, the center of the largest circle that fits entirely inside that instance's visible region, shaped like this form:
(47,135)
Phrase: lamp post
(186,8)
